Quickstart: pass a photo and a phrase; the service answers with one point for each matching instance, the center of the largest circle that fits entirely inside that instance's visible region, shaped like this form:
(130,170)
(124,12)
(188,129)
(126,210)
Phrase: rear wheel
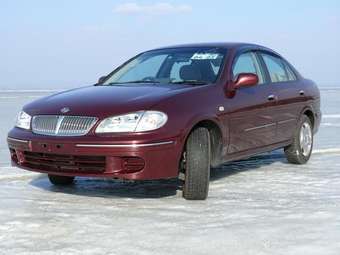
(60,180)
(300,150)
(197,165)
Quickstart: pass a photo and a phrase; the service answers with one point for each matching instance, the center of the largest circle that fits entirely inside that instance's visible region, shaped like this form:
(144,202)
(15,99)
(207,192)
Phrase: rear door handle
(301,92)
(272,97)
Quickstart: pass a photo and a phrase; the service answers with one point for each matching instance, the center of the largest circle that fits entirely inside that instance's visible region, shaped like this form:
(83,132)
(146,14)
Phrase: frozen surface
(262,205)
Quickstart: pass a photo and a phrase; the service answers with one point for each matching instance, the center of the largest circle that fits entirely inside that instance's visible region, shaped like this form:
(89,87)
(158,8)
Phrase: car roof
(226,45)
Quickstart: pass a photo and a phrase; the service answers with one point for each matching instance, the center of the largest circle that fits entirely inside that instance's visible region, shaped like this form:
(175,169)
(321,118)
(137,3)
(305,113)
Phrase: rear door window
(276,68)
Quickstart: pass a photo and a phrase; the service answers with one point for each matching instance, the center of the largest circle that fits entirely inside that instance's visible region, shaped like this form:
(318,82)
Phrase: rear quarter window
(291,74)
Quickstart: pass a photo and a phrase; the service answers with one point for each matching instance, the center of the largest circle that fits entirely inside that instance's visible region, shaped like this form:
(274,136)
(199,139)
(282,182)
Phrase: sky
(65,44)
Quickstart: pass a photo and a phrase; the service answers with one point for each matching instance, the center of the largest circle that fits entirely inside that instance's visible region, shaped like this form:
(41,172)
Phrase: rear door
(289,95)
(252,109)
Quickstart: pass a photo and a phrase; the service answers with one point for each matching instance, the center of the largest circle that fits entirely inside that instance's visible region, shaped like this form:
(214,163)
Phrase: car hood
(103,101)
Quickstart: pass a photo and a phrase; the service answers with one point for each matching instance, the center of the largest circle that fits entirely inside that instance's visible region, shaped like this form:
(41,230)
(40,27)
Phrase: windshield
(179,66)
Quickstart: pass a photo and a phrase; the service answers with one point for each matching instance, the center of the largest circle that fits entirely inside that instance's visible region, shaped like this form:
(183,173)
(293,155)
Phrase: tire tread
(197,175)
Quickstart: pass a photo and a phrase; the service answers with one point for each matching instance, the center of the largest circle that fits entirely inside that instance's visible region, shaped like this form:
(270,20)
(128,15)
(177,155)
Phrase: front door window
(247,63)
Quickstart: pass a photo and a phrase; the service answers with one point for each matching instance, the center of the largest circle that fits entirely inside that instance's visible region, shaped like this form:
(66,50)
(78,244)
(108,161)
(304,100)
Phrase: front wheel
(197,165)
(300,150)
(60,180)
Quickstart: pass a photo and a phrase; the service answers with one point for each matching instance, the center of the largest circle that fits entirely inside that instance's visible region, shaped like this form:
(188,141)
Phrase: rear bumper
(134,161)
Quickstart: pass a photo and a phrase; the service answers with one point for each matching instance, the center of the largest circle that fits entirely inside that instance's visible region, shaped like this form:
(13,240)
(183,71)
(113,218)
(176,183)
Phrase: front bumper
(125,160)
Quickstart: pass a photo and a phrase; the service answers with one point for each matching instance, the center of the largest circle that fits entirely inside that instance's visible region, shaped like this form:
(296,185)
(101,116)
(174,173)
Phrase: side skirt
(253,152)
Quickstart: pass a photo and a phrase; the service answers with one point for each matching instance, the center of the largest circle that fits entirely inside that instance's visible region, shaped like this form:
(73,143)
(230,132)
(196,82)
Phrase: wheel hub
(306,139)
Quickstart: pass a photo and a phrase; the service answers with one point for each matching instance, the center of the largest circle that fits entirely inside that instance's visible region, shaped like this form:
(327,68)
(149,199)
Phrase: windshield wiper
(128,82)
(191,82)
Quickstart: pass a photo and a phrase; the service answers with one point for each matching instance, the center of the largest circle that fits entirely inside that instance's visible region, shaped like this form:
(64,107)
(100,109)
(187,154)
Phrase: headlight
(133,122)
(23,120)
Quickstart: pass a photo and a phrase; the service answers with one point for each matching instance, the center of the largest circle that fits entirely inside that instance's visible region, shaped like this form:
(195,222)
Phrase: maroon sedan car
(171,111)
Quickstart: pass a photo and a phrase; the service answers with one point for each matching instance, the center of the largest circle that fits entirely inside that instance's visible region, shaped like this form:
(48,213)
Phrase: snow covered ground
(262,205)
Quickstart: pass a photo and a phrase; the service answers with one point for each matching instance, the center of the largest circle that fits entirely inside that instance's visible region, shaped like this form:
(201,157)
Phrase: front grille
(58,125)
(65,163)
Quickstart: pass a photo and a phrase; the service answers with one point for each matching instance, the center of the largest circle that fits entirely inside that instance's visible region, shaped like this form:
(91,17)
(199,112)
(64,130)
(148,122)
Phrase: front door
(251,112)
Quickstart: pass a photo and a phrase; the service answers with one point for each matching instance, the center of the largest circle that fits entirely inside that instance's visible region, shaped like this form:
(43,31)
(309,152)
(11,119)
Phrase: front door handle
(301,93)
(272,97)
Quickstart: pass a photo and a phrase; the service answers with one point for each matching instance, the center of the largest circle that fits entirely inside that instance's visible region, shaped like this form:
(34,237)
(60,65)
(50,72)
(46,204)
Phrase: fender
(316,117)
(217,152)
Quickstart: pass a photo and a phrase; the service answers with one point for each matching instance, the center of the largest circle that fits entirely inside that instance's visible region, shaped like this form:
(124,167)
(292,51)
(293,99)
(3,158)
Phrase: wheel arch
(216,138)
(308,111)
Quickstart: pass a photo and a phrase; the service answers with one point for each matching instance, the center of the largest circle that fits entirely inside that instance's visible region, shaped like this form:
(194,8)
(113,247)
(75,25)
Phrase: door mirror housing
(246,80)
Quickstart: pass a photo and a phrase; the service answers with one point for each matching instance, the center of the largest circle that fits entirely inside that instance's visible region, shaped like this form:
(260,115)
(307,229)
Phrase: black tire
(294,152)
(197,165)
(61,180)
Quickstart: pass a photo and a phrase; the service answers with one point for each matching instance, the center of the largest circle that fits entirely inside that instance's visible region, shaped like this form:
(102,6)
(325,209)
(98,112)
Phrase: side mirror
(101,79)
(246,80)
